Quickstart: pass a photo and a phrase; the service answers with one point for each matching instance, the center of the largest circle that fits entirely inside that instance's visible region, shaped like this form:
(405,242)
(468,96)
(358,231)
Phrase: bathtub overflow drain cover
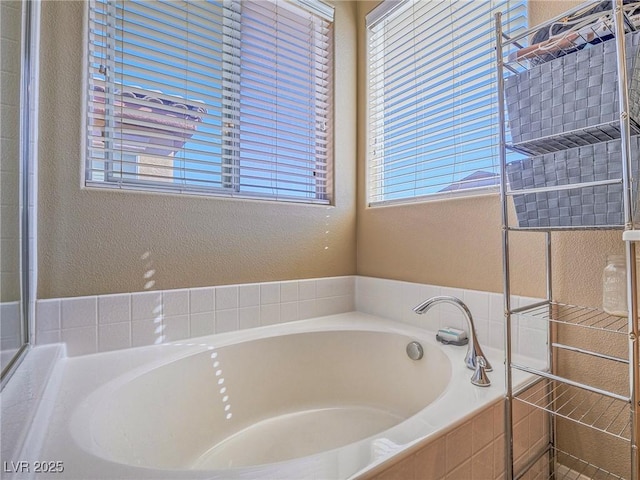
(415,351)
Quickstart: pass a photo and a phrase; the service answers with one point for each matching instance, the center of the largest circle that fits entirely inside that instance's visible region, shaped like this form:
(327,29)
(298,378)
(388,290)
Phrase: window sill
(439,197)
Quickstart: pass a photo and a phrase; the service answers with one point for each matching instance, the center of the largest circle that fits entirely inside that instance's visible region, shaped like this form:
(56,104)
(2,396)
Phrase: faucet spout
(473,350)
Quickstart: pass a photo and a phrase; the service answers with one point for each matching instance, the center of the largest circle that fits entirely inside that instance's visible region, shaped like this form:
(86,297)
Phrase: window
(433,119)
(223,97)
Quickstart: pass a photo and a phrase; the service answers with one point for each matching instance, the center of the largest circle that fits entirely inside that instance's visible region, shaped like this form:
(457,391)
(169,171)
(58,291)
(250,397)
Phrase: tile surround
(108,322)
(473,450)
(10,333)
(395,300)
(113,308)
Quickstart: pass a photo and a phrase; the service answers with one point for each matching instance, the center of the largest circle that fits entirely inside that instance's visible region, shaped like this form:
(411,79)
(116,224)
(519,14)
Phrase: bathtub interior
(261,401)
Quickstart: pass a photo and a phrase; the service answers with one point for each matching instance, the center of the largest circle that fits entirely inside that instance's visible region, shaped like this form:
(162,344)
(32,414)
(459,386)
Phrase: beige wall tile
(482,430)
(430,462)
(461,472)
(482,463)
(498,456)
(403,470)
(458,446)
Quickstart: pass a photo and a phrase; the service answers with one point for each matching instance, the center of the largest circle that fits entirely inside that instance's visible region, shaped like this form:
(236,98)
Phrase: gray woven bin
(586,206)
(575,92)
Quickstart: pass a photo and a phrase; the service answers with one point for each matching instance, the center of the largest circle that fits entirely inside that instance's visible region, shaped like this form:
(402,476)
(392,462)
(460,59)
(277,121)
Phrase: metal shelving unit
(579,469)
(583,317)
(598,410)
(616,415)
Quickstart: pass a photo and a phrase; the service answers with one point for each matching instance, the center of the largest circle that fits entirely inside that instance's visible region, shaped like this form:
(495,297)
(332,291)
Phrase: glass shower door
(15,151)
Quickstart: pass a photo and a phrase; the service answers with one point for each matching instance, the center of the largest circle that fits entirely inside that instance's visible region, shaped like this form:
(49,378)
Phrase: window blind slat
(432,107)
(225,97)
(436,108)
(170,31)
(259,112)
(438,56)
(437,153)
(433,139)
(142,47)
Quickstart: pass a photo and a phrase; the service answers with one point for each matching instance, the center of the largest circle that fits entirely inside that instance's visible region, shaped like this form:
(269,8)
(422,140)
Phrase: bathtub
(331,397)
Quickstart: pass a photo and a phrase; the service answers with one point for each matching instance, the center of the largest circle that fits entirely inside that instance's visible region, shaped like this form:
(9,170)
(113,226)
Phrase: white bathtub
(328,398)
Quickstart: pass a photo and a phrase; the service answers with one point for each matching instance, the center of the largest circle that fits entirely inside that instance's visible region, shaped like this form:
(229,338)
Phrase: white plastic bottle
(614,286)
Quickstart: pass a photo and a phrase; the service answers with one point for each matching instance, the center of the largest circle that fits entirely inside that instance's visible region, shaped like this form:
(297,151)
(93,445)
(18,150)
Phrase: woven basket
(573,92)
(586,206)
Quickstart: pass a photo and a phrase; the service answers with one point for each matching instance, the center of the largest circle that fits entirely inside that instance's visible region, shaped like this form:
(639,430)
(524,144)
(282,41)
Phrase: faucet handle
(473,353)
(479,377)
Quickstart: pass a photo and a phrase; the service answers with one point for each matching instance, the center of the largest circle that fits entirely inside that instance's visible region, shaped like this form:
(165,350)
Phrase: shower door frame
(27,155)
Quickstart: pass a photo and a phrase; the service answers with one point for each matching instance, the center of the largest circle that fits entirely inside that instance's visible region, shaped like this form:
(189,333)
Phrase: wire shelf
(599,412)
(578,469)
(572,139)
(591,29)
(566,228)
(584,317)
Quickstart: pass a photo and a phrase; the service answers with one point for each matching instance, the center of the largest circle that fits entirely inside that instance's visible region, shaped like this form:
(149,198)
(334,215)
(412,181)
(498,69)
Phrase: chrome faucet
(473,350)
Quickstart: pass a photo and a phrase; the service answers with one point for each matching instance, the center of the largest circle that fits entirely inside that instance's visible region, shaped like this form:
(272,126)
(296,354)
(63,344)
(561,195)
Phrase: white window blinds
(433,120)
(221,97)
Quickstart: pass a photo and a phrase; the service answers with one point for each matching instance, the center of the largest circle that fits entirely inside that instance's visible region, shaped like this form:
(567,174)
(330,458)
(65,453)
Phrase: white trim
(317,7)
(382,12)
(195,191)
(441,196)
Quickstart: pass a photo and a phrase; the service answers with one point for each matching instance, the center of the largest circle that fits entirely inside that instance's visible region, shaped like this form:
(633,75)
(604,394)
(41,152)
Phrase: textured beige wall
(542,10)
(97,242)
